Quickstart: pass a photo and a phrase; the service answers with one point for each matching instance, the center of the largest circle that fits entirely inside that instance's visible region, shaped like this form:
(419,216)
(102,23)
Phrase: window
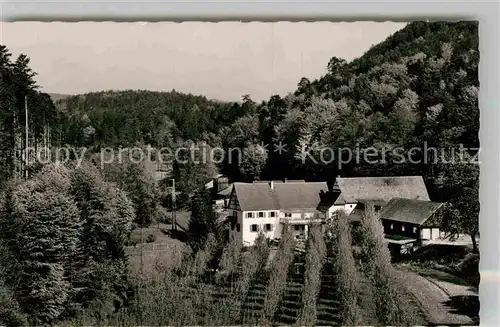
(288,215)
(297,227)
(268,227)
(254,228)
(261,214)
(402,228)
(273,214)
(249,214)
(238,227)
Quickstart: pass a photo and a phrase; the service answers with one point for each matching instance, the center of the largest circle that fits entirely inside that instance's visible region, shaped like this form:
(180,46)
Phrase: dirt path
(433,301)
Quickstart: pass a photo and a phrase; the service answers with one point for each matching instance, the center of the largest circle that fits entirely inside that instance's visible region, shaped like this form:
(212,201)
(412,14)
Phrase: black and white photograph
(239,173)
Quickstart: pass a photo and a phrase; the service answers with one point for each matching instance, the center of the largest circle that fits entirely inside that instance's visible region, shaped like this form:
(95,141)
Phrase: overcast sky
(218,60)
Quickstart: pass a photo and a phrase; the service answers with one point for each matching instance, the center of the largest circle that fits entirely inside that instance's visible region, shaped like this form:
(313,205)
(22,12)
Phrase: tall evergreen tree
(203,219)
(49,222)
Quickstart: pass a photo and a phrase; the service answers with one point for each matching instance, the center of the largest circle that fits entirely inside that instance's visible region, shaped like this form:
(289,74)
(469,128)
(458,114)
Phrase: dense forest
(417,89)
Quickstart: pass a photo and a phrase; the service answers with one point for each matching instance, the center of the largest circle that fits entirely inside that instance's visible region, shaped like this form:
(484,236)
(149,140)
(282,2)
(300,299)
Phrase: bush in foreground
(347,281)
(278,275)
(315,257)
(389,291)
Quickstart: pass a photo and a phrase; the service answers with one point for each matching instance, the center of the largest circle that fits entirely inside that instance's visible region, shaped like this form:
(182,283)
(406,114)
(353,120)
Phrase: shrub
(278,275)
(202,258)
(390,297)
(99,270)
(134,239)
(151,238)
(49,226)
(230,259)
(347,282)
(250,264)
(10,313)
(261,248)
(315,256)
(203,220)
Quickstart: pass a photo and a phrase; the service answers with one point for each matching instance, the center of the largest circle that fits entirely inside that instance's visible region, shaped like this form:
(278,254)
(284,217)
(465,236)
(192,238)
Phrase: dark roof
(227,191)
(328,199)
(375,202)
(356,189)
(255,196)
(299,195)
(293,196)
(409,211)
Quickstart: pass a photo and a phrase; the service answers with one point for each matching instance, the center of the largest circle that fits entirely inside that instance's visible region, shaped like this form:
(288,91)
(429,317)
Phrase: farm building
(411,218)
(268,206)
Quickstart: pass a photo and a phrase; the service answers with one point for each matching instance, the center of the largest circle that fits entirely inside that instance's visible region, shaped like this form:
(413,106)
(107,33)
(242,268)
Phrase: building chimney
(271,184)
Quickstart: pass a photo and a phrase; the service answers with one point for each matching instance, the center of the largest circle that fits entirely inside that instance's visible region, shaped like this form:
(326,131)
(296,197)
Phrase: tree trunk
(474,243)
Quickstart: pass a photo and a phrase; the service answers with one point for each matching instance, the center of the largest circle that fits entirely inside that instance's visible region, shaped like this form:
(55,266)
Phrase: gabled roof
(356,189)
(255,196)
(299,195)
(227,191)
(409,211)
(291,196)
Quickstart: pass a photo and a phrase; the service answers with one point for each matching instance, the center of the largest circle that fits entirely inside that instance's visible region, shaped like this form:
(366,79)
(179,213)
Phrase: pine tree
(49,226)
(202,220)
(100,268)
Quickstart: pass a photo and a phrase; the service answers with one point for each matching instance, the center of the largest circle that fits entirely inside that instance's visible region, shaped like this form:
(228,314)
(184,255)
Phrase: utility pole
(142,249)
(174,218)
(26,149)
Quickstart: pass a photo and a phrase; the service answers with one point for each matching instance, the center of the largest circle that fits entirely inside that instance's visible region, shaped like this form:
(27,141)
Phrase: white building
(268,206)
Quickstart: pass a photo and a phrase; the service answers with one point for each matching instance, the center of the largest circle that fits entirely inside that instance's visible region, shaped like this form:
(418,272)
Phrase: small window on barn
(268,227)
(261,214)
(288,215)
(273,214)
(254,228)
(249,214)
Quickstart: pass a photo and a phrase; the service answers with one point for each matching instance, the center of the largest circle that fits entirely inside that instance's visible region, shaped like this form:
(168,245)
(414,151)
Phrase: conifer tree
(49,223)
(100,268)
(202,220)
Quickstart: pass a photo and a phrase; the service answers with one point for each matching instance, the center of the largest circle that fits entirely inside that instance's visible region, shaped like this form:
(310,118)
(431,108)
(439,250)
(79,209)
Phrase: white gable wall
(248,236)
(348,208)
(430,233)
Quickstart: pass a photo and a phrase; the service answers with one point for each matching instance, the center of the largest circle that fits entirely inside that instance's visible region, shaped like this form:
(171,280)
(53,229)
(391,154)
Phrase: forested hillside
(416,89)
(122,118)
(64,230)
(420,85)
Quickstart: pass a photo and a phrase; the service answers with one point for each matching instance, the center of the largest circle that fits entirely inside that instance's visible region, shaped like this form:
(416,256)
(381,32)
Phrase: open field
(164,250)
